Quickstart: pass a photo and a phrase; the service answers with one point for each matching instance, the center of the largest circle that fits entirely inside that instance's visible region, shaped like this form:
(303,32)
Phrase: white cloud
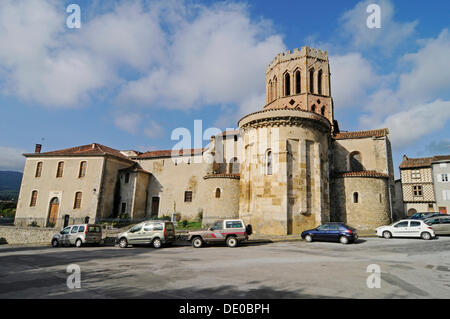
(351,76)
(128,122)
(430,72)
(218,57)
(11,159)
(390,35)
(406,127)
(153,130)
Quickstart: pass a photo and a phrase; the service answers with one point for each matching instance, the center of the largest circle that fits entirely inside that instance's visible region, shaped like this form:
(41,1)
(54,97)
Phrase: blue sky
(136,70)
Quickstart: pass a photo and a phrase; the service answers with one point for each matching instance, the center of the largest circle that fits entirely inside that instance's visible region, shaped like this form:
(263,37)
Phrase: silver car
(78,235)
(154,232)
(440,224)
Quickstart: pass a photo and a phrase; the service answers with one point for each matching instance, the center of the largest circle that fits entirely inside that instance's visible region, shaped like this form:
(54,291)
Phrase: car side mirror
(61,232)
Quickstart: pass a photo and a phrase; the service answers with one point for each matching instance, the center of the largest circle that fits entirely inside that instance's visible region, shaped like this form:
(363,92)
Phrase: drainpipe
(389,182)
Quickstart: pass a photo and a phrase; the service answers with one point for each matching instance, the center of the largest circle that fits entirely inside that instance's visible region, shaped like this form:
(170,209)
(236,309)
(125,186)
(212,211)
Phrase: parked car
(154,232)
(406,228)
(78,235)
(229,231)
(338,232)
(440,224)
(422,216)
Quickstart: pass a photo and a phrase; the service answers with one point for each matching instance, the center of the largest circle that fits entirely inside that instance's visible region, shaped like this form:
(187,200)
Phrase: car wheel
(157,243)
(343,240)
(232,241)
(426,235)
(55,243)
(308,238)
(387,234)
(78,243)
(197,242)
(123,243)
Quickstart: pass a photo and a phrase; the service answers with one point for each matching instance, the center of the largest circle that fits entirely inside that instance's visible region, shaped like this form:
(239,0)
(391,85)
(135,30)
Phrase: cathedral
(287,168)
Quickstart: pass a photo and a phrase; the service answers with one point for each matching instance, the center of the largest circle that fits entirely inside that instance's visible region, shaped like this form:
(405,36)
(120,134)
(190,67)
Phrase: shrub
(33,224)
(200,215)
(184,223)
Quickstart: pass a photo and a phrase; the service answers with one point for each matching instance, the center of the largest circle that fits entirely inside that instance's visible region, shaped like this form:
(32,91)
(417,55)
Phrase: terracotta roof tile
(88,150)
(441,158)
(362,134)
(416,162)
(361,174)
(170,153)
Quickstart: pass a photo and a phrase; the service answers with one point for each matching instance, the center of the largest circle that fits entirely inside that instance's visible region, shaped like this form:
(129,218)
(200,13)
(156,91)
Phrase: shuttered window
(77,203)
(33,201)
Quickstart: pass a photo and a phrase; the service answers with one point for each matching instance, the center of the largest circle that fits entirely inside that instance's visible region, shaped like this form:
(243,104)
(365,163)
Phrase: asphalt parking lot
(410,268)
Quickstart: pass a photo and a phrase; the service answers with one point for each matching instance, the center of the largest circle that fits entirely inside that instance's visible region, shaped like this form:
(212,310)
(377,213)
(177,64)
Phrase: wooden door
(155,206)
(53,215)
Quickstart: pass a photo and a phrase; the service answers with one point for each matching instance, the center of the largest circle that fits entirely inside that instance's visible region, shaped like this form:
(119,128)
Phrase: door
(333,233)
(216,233)
(400,229)
(66,220)
(53,212)
(443,210)
(414,229)
(136,234)
(73,235)
(155,206)
(322,232)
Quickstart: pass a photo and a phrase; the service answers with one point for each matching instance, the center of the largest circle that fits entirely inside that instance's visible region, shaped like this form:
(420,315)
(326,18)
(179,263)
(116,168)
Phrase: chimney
(38,148)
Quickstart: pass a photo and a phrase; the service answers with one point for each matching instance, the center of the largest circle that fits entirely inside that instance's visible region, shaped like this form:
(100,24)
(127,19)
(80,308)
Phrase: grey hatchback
(154,232)
(78,235)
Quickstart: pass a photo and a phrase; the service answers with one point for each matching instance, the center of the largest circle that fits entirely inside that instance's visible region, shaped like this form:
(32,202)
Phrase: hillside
(10,180)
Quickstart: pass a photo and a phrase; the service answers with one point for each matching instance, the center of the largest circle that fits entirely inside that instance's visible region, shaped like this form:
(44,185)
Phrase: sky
(136,69)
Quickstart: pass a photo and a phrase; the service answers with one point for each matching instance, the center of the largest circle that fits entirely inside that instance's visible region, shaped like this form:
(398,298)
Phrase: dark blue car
(338,232)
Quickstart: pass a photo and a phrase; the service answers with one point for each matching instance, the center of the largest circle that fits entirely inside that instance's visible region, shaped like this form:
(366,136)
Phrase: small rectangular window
(415,174)
(77,202)
(188,196)
(33,201)
(60,170)
(83,167)
(417,190)
(123,208)
(444,178)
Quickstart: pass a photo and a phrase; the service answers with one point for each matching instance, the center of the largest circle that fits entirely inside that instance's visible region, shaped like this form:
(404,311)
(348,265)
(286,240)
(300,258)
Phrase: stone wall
(372,207)
(15,235)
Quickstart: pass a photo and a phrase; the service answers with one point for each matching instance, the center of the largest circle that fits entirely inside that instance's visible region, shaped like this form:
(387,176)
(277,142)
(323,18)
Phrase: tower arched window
(313,108)
(269,162)
(319,82)
(311,81)
(297,82)
(33,200)
(355,162)
(275,88)
(217,192)
(287,84)
(269,91)
(322,111)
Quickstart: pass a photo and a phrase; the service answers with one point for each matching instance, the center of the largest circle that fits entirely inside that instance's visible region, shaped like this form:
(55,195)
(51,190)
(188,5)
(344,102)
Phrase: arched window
(77,202)
(33,201)
(411,211)
(83,167)
(217,192)
(319,82)
(311,81)
(269,162)
(355,162)
(275,88)
(38,169)
(297,82)
(322,111)
(313,108)
(287,84)
(269,91)
(355,197)
(60,169)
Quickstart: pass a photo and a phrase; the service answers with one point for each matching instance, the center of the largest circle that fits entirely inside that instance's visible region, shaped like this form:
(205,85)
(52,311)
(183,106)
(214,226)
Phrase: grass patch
(189,225)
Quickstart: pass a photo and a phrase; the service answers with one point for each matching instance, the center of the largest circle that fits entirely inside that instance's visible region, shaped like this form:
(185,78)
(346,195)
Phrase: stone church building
(286,169)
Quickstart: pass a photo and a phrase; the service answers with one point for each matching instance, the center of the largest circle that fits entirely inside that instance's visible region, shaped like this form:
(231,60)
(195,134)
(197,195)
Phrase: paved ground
(410,268)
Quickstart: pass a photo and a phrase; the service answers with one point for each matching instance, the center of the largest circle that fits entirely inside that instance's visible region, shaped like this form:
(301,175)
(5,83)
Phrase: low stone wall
(26,235)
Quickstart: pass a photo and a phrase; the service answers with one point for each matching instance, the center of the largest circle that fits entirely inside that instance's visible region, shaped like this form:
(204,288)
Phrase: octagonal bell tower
(300,80)
(284,173)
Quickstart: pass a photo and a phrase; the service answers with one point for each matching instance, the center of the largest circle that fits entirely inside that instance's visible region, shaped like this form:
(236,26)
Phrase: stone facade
(288,168)
(441,178)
